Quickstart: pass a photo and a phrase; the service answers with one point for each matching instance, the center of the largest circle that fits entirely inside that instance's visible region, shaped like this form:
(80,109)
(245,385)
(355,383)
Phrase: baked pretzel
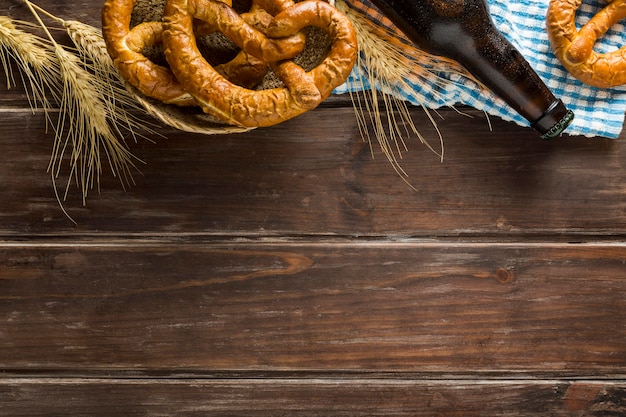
(246,70)
(302,90)
(126,46)
(575,48)
(126,49)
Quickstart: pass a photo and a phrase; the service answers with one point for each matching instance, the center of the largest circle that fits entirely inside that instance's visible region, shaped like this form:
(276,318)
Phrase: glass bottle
(463,31)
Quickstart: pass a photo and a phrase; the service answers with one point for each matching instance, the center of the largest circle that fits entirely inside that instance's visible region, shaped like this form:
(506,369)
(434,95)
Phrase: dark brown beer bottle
(463,30)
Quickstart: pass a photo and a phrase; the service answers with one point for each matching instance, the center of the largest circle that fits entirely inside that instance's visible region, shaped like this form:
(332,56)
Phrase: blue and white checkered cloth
(598,112)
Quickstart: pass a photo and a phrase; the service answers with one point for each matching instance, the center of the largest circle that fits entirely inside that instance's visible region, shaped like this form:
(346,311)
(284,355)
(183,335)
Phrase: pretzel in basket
(126,46)
(574,48)
(126,49)
(302,91)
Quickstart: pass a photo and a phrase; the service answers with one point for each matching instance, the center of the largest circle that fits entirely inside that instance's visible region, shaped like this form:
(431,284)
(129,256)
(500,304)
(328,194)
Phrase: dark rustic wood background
(291,271)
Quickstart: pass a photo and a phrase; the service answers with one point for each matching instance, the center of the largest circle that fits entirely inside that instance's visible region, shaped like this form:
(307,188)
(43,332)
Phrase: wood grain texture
(291,271)
(299,179)
(456,308)
(294,397)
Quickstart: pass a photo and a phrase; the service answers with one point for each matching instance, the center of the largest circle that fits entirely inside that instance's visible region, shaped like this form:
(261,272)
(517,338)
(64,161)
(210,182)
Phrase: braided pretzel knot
(126,46)
(302,91)
(575,48)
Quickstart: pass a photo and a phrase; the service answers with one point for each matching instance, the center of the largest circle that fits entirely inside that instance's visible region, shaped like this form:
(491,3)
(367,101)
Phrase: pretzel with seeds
(574,48)
(223,99)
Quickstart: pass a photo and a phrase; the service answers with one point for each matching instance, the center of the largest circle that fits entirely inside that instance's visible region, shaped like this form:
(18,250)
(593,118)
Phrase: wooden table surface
(291,271)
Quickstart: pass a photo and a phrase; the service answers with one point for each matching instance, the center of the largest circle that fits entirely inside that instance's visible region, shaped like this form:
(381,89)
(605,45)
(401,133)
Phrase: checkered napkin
(598,112)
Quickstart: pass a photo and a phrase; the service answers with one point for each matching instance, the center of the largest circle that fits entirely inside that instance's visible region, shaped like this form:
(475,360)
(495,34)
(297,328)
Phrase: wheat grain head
(35,61)
(83,123)
(84,130)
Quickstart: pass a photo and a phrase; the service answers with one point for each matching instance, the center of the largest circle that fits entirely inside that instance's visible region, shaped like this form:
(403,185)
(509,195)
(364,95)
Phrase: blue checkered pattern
(598,112)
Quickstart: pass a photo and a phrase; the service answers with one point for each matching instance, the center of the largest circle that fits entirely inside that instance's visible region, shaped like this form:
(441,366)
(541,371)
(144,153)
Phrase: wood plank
(336,397)
(87,11)
(531,309)
(298,179)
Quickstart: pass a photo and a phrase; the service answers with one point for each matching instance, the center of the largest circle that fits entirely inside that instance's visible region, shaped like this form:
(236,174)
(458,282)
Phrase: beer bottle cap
(554,121)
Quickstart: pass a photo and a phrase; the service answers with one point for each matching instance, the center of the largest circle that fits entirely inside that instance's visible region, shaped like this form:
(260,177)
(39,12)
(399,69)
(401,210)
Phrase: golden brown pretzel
(126,45)
(126,49)
(246,70)
(575,48)
(303,90)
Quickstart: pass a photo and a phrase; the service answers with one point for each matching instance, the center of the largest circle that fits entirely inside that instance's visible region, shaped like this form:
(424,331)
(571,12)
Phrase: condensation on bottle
(462,30)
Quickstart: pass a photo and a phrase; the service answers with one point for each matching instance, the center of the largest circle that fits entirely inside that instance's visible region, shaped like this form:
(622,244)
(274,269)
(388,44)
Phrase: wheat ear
(35,61)
(83,124)
(121,104)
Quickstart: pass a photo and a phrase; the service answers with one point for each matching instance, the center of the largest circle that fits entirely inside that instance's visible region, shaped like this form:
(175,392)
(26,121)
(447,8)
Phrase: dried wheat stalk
(96,111)
(82,124)
(91,48)
(88,129)
(35,61)
(387,62)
